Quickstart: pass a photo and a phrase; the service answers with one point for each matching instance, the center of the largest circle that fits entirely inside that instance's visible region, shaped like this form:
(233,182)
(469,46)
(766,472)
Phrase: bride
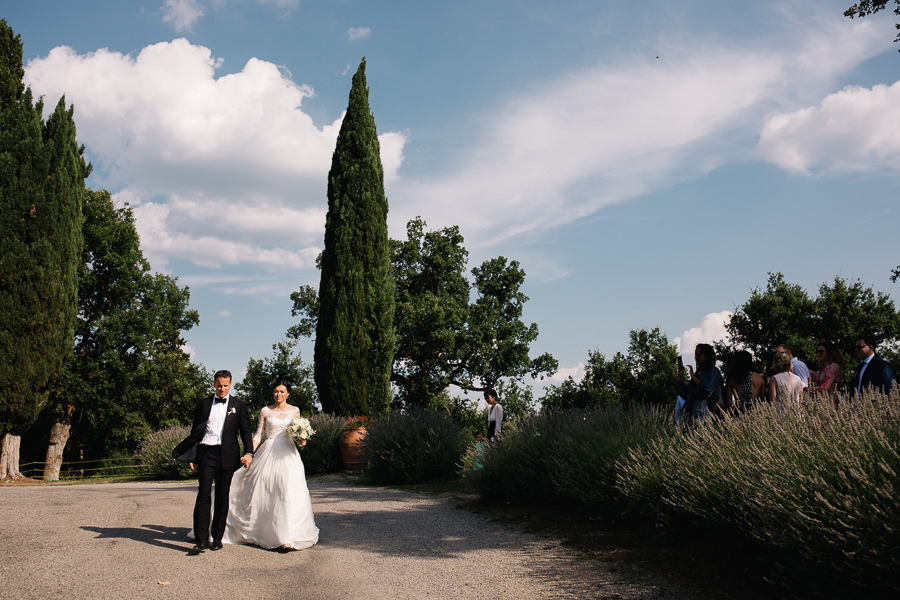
(269,504)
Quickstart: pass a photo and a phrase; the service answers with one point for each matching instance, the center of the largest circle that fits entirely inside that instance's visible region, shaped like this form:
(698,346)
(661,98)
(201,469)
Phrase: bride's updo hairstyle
(286,385)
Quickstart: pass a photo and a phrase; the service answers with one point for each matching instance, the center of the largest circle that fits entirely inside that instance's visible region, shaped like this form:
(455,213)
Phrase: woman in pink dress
(828,378)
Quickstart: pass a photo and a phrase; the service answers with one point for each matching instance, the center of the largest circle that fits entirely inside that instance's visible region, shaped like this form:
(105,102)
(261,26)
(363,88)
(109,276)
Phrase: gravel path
(128,540)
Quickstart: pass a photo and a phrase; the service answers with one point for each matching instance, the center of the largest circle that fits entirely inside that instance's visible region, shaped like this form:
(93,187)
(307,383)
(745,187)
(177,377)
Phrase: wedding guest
(828,378)
(480,444)
(872,370)
(784,388)
(704,389)
(743,388)
(799,367)
(495,415)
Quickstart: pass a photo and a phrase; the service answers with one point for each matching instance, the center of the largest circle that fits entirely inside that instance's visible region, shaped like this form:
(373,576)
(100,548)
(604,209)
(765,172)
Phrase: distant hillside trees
(42,175)
(647,374)
(354,342)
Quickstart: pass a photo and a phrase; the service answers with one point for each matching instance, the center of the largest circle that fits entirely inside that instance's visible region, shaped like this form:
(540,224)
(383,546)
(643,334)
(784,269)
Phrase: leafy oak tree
(840,313)
(870,7)
(354,334)
(128,374)
(450,330)
(781,313)
(42,173)
(284,364)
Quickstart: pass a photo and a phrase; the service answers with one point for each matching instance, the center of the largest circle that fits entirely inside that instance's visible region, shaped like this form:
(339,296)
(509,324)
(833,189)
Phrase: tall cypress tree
(354,333)
(42,176)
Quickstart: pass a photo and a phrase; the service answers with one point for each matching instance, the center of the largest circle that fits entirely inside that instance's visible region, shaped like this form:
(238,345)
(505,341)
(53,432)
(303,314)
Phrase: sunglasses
(860,346)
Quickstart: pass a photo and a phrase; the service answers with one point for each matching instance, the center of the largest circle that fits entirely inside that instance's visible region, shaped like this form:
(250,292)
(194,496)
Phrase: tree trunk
(59,435)
(9,457)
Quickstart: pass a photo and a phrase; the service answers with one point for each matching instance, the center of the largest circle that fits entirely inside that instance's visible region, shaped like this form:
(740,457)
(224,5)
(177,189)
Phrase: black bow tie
(217,399)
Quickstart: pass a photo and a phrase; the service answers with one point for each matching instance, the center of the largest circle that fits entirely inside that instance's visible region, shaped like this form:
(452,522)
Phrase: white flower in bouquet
(300,430)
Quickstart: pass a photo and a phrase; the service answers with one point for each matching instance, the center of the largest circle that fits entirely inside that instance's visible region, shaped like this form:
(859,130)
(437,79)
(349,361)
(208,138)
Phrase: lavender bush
(155,454)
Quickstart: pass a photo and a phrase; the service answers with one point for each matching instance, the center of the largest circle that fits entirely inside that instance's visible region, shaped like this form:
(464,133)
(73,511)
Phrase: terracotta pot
(351,448)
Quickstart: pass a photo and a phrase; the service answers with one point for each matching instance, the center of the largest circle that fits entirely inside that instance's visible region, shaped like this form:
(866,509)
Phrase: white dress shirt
(215,423)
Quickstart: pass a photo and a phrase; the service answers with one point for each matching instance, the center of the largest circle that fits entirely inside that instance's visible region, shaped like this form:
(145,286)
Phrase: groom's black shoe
(215,546)
(199,547)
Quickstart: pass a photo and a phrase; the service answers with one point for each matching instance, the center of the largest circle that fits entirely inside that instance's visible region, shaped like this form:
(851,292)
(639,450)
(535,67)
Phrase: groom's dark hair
(224,374)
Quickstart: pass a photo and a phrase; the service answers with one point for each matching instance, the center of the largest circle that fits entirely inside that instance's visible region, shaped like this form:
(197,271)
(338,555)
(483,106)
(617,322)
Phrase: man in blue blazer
(871,371)
(212,450)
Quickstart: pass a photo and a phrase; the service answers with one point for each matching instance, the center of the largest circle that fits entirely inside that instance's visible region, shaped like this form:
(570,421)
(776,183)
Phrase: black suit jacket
(878,374)
(237,425)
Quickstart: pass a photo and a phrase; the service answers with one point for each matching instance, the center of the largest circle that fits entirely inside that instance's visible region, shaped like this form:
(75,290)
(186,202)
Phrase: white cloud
(563,373)
(181,14)
(224,314)
(629,126)
(189,349)
(851,130)
(160,242)
(233,159)
(711,329)
(358,33)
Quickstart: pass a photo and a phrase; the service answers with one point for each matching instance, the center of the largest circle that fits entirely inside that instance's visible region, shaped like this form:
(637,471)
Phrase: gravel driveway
(128,540)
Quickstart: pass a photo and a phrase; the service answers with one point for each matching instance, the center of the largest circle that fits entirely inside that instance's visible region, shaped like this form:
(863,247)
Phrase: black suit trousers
(211,470)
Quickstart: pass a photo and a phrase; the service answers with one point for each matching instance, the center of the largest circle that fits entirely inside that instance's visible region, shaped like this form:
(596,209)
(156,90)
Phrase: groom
(212,450)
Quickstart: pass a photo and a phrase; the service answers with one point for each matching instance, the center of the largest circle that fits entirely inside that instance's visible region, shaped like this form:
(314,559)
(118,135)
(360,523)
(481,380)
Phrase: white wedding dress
(269,503)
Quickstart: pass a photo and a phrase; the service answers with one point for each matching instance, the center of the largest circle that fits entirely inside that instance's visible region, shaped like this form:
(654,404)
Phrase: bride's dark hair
(286,385)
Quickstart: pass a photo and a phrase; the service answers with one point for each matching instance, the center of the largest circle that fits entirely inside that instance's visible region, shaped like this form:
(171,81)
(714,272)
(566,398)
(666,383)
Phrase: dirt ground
(129,540)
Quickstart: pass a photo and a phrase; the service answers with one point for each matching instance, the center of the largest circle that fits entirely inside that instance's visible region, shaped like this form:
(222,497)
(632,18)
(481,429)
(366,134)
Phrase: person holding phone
(704,388)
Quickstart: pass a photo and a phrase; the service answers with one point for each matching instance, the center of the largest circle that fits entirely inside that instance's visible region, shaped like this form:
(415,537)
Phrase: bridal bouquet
(300,430)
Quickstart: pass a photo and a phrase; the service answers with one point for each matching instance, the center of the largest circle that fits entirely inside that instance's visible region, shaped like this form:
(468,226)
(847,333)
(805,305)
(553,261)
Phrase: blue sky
(647,163)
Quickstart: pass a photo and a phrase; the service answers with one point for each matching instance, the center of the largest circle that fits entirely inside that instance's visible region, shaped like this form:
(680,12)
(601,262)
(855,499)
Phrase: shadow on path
(157,535)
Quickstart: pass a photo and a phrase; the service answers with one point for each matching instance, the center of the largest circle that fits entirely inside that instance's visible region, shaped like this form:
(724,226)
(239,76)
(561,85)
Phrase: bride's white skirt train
(269,503)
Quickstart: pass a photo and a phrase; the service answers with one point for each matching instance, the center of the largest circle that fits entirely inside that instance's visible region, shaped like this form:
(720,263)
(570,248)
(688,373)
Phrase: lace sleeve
(295,414)
(257,437)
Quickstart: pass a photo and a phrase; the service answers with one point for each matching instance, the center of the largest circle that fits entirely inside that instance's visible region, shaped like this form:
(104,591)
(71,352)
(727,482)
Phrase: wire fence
(107,468)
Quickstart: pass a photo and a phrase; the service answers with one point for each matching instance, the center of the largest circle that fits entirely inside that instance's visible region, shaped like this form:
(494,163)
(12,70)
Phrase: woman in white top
(495,415)
(784,387)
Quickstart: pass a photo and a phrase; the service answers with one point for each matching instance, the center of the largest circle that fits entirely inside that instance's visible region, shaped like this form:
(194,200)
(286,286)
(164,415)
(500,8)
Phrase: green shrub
(322,453)
(515,468)
(413,447)
(565,454)
(588,445)
(155,453)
